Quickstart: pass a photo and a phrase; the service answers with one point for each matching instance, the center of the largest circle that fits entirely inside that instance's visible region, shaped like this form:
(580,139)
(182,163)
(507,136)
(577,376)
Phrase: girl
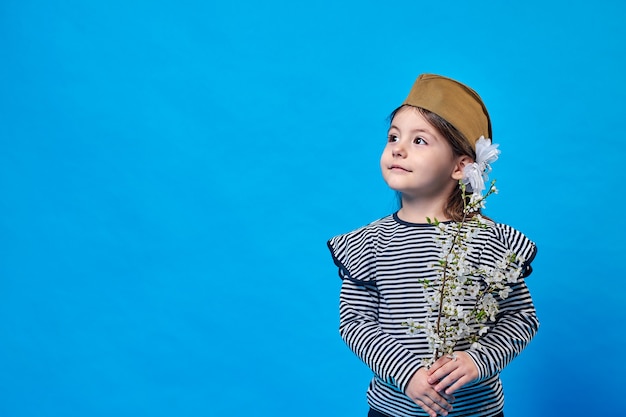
(388,271)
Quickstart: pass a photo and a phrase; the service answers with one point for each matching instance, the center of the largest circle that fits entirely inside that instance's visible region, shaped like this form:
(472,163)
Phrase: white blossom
(504,292)
(476,173)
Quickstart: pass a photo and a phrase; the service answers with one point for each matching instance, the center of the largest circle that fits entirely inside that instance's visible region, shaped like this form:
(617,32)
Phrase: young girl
(431,150)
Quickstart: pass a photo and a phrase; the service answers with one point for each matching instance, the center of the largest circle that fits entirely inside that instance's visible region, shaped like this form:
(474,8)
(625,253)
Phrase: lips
(398,168)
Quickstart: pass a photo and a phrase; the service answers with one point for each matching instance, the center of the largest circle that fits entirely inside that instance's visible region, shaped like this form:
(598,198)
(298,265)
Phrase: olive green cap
(458,104)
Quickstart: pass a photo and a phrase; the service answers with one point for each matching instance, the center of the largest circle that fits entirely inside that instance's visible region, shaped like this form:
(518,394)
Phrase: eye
(419,141)
(392,138)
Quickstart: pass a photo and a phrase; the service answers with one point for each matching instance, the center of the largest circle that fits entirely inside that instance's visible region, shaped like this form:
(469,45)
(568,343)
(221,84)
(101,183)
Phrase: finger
(456,378)
(439,363)
(427,397)
(448,397)
(457,384)
(439,401)
(443,385)
(434,408)
(434,367)
(435,401)
(442,372)
(430,411)
(440,388)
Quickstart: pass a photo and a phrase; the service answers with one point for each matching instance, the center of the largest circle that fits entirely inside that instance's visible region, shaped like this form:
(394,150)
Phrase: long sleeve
(359,328)
(515,326)
(516,323)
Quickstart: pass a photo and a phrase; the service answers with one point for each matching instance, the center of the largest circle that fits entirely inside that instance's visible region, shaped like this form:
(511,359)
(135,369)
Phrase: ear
(461,162)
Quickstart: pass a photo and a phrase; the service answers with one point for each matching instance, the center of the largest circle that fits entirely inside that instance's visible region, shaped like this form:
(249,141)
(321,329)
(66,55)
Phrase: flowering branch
(464,298)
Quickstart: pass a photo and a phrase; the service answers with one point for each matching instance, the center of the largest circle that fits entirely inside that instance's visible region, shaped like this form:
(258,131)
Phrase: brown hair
(460,146)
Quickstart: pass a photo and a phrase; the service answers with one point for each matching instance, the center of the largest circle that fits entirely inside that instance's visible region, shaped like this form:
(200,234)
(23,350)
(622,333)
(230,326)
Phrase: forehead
(410,118)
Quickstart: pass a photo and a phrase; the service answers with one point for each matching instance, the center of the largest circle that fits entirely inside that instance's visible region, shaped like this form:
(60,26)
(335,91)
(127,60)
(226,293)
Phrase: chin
(396,185)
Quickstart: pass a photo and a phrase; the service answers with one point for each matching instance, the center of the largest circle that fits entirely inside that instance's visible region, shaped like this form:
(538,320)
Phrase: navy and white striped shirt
(382,266)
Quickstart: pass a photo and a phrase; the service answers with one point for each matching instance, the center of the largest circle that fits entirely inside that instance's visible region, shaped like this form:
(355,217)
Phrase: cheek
(384,157)
(384,162)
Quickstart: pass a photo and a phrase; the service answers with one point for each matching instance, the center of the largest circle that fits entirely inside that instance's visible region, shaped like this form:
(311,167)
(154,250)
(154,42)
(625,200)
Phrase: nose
(398,150)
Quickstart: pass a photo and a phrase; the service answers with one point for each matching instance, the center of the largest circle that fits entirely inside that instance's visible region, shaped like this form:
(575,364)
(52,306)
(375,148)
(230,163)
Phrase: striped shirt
(382,266)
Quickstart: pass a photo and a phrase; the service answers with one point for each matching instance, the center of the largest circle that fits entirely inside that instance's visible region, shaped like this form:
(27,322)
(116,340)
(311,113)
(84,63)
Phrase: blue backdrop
(171,170)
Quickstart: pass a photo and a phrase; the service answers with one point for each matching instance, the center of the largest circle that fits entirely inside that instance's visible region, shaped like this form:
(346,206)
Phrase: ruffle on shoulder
(354,254)
(505,239)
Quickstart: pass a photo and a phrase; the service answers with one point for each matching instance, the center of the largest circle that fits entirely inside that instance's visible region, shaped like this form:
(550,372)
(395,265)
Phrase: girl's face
(418,161)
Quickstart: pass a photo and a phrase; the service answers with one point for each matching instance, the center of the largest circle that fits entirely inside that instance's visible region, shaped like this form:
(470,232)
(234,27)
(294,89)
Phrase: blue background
(171,170)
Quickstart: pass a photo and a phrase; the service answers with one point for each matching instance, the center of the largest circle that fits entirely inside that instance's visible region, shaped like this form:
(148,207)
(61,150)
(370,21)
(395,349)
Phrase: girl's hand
(449,374)
(424,395)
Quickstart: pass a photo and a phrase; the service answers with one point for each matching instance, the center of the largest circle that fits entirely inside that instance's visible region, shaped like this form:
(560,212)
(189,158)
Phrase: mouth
(398,168)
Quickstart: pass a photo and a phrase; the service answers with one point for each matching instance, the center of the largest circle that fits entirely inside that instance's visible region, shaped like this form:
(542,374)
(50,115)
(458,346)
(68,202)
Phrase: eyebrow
(414,130)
